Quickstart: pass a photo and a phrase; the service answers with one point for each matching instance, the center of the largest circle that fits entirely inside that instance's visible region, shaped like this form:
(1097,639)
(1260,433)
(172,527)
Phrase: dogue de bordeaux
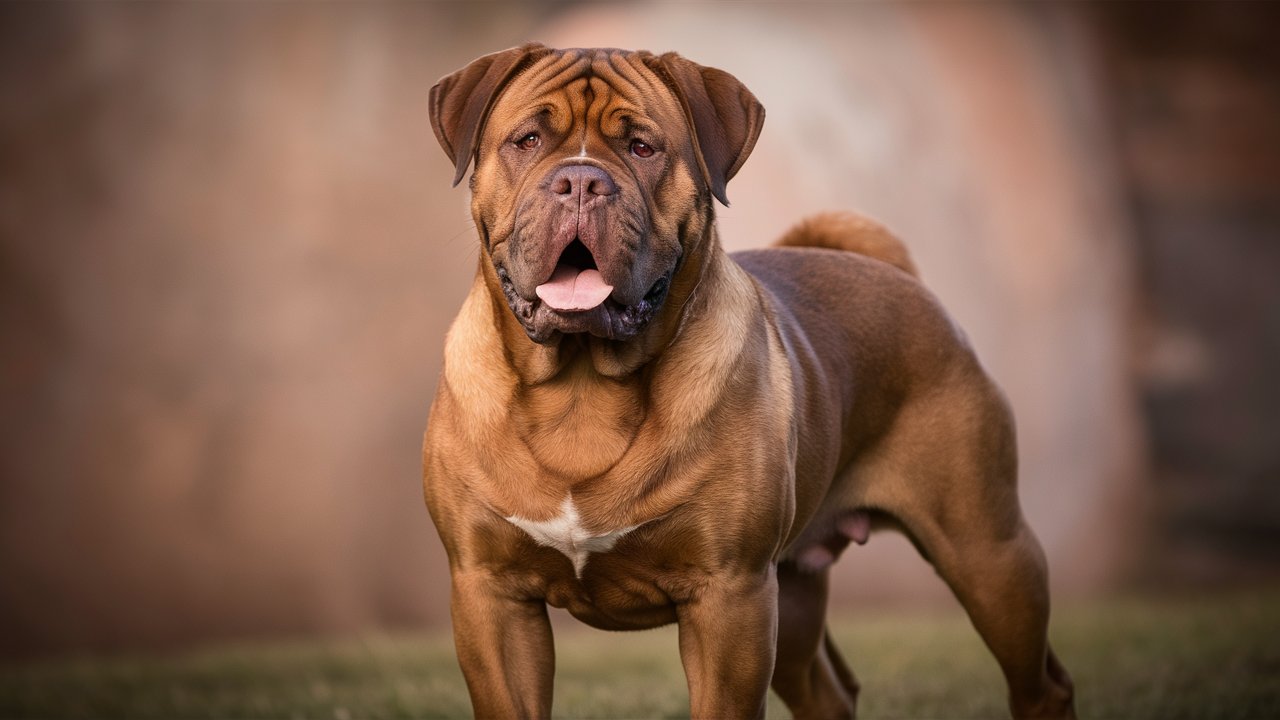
(635,426)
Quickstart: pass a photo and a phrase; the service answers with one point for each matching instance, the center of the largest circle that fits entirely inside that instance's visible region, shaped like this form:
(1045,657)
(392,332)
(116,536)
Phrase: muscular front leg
(504,646)
(727,638)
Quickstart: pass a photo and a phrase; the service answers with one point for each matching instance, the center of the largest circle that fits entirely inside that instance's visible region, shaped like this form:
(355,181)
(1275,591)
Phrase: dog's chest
(565,532)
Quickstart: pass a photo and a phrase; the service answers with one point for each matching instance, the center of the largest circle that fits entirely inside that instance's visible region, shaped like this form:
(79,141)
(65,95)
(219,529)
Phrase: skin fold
(701,445)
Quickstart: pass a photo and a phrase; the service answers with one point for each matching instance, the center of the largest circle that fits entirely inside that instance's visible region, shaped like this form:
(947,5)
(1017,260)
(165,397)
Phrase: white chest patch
(565,533)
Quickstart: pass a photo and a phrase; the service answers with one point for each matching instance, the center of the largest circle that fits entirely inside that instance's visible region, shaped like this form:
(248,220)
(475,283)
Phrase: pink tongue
(572,289)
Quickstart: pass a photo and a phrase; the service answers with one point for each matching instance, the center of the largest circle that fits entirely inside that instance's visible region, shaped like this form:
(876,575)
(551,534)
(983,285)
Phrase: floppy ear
(460,102)
(722,113)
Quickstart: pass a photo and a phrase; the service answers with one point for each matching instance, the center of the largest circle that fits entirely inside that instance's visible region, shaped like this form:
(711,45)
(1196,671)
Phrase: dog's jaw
(610,320)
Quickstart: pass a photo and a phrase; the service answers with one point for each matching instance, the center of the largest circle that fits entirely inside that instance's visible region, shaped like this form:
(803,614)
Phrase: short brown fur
(705,463)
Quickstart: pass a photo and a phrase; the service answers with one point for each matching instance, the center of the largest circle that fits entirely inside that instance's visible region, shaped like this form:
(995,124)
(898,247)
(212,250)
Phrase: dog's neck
(568,401)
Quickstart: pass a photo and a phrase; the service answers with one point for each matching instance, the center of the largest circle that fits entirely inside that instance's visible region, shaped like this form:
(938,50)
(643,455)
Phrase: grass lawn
(1206,658)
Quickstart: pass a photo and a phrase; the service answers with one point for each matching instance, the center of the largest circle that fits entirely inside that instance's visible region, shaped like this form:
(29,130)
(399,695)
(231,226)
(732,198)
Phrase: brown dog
(641,429)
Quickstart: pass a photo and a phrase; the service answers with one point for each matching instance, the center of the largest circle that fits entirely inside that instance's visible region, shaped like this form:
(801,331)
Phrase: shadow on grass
(1207,658)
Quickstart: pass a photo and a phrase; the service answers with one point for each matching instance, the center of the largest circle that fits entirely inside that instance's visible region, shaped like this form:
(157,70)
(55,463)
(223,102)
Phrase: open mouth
(576,284)
(576,299)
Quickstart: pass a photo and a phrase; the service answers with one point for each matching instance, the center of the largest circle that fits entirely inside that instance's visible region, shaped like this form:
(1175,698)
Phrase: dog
(641,429)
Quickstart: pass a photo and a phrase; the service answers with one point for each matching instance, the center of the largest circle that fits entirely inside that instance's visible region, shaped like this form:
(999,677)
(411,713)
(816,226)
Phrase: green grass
(1206,658)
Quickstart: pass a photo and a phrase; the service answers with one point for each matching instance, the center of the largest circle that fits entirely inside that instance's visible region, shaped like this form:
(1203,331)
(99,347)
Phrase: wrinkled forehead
(606,87)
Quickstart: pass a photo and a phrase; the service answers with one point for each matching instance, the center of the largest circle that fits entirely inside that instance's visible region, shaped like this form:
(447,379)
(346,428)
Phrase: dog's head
(594,176)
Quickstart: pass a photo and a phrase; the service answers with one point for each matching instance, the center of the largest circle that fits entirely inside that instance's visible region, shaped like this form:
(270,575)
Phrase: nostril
(587,179)
(601,185)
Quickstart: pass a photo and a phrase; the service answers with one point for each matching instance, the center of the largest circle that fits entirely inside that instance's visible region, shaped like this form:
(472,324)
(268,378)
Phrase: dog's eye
(529,142)
(641,149)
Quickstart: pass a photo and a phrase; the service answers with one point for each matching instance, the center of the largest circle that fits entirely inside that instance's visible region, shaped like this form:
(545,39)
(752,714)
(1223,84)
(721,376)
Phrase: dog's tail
(854,233)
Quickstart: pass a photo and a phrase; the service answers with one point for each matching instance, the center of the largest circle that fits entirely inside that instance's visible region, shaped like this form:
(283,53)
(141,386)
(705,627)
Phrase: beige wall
(231,253)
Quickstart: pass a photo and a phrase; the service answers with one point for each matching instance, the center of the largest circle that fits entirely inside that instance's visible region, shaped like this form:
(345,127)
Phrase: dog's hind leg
(957,498)
(809,674)
(1003,586)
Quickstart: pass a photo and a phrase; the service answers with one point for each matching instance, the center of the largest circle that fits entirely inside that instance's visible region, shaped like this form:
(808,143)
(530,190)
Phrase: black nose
(582,184)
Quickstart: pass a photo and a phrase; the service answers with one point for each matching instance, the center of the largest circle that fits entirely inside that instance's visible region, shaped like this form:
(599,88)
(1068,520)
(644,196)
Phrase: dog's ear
(460,102)
(723,115)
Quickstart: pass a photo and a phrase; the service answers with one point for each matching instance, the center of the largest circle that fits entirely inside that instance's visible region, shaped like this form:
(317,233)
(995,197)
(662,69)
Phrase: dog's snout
(582,183)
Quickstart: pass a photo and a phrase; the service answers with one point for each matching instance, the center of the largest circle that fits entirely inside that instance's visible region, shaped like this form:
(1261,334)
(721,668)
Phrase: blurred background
(229,252)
